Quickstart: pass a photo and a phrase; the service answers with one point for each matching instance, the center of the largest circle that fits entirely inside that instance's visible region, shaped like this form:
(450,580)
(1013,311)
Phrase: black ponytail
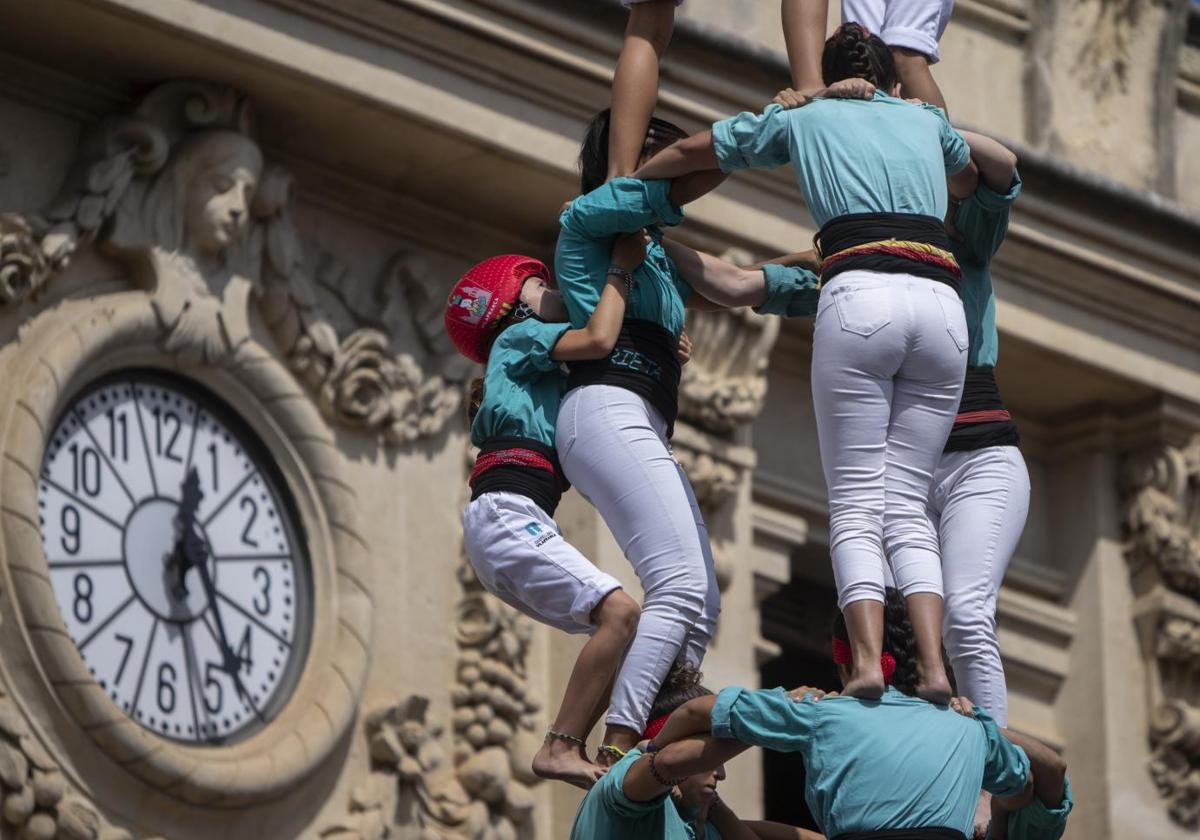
(593,154)
(681,685)
(853,53)
(474,398)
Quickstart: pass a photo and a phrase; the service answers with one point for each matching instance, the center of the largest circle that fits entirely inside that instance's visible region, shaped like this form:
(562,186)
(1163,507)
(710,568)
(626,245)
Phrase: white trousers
(889,356)
(910,24)
(521,558)
(613,447)
(978,505)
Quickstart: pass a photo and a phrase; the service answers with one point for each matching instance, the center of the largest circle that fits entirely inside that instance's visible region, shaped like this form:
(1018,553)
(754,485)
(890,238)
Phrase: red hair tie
(654,727)
(842,655)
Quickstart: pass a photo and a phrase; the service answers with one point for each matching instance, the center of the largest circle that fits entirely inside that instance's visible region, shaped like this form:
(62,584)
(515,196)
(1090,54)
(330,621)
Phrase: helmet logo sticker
(469,304)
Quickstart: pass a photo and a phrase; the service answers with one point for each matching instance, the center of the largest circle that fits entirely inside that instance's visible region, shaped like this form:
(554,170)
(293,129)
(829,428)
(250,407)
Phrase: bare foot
(983,815)
(865,685)
(935,687)
(566,763)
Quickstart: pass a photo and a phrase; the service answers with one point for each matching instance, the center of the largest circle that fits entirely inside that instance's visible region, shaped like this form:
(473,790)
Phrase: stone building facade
(244,215)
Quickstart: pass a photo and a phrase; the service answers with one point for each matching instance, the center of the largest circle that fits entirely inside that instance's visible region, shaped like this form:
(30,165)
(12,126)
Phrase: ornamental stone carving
(724,385)
(38,804)
(179,193)
(480,788)
(1162,524)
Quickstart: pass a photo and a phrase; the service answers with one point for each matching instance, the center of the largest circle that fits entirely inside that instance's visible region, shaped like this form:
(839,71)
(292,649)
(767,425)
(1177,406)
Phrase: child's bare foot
(566,762)
(866,684)
(933,685)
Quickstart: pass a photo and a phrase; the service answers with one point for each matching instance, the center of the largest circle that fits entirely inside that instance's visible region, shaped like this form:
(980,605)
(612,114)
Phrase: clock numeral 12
(162,419)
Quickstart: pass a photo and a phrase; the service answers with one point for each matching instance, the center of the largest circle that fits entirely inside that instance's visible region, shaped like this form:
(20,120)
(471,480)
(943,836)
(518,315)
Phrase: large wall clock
(182,542)
(176,557)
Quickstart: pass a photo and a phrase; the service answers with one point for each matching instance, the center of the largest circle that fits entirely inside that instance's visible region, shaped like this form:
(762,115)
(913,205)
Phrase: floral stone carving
(1162,525)
(179,192)
(37,801)
(724,385)
(481,790)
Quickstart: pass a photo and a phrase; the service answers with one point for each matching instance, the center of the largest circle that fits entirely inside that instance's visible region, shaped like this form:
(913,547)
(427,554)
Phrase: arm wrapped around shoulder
(792,292)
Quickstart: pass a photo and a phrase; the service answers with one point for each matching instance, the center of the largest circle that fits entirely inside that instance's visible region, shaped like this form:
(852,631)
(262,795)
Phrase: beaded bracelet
(609,749)
(626,277)
(668,783)
(563,736)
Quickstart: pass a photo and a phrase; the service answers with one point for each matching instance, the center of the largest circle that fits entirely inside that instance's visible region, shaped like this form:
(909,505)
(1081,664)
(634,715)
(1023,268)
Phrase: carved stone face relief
(180,192)
(224,172)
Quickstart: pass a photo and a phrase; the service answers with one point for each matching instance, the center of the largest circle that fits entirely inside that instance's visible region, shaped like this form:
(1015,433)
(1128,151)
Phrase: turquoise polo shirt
(587,229)
(882,155)
(606,812)
(522,385)
(982,222)
(1037,822)
(896,762)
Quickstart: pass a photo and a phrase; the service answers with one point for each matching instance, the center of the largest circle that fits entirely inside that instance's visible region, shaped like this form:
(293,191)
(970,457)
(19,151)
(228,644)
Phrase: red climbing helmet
(484,295)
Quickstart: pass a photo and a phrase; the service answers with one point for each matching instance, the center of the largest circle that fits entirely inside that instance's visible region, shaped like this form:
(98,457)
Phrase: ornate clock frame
(63,352)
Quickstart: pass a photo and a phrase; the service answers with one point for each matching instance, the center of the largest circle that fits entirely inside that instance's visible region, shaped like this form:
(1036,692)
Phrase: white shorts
(909,24)
(522,559)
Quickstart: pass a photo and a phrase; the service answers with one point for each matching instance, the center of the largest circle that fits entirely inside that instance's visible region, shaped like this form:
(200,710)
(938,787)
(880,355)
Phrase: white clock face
(198,640)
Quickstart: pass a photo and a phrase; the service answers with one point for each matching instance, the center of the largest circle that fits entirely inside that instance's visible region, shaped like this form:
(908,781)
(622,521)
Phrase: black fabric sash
(645,360)
(860,228)
(905,834)
(981,393)
(544,488)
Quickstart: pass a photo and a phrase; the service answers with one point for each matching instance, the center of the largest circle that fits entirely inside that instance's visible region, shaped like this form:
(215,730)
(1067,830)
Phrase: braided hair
(854,53)
(593,154)
(898,640)
(681,685)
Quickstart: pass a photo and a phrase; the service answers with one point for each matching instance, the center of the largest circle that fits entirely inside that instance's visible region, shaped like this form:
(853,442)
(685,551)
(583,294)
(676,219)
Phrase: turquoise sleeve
(982,219)
(1036,821)
(623,205)
(611,789)
(955,151)
(753,141)
(1005,767)
(765,718)
(791,292)
(526,347)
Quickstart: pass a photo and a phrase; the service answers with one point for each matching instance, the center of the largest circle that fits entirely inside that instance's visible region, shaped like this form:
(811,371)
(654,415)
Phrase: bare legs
(587,692)
(916,79)
(804,33)
(864,624)
(635,84)
(925,613)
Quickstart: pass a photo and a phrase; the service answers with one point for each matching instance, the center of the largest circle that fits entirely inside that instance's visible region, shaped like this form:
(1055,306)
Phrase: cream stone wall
(401,141)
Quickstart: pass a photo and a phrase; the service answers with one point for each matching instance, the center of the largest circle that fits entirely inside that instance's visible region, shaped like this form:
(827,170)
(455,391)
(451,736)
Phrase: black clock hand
(195,552)
(185,520)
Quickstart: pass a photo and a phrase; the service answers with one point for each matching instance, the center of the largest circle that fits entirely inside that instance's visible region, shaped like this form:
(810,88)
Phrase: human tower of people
(928,491)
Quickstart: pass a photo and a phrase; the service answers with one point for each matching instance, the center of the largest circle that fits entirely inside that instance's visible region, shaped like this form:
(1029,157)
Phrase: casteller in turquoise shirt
(606,812)
(896,762)
(522,385)
(883,155)
(982,222)
(581,258)
(1037,822)
(624,205)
